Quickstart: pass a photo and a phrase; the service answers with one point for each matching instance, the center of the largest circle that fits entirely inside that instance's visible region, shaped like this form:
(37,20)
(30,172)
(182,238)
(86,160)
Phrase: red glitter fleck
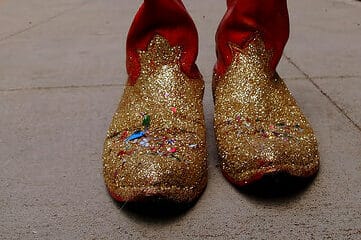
(172,150)
(173,109)
(124,135)
(122,153)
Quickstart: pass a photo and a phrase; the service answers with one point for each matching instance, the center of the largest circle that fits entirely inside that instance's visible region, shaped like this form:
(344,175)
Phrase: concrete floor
(61,75)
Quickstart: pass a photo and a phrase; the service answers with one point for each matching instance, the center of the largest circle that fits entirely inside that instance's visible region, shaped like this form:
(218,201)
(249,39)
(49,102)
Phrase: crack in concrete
(350,2)
(44,21)
(60,87)
(341,76)
(324,77)
(309,78)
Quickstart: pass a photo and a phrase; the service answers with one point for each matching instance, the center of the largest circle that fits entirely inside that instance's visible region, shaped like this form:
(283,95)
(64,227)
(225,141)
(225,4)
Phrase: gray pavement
(61,76)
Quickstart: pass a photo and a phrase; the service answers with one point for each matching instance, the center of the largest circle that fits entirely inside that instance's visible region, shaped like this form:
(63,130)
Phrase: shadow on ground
(277,186)
(156,210)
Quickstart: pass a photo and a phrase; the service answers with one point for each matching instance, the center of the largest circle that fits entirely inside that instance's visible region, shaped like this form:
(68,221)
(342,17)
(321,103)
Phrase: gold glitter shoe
(259,127)
(155,146)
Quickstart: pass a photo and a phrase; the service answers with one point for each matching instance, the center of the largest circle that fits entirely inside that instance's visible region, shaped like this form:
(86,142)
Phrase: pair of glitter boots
(156,143)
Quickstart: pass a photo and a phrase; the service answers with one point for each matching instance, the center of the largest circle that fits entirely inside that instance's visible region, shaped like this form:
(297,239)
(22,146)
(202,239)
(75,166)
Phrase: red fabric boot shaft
(247,17)
(170,19)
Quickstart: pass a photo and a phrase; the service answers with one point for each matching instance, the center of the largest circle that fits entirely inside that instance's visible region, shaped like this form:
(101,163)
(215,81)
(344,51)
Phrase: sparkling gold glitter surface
(259,127)
(156,142)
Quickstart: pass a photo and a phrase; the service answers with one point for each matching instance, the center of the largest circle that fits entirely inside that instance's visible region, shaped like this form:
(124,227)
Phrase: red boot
(244,19)
(155,146)
(169,19)
(259,127)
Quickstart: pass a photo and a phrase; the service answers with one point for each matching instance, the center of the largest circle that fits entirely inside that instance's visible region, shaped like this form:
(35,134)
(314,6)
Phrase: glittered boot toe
(159,165)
